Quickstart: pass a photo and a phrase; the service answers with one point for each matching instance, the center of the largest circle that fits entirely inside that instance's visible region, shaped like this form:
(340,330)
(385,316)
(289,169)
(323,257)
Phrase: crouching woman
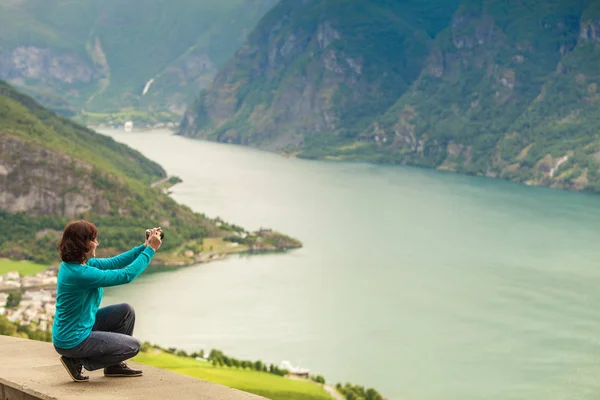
(85,335)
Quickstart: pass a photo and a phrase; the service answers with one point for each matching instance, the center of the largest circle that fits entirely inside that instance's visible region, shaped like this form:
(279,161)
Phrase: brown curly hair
(74,245)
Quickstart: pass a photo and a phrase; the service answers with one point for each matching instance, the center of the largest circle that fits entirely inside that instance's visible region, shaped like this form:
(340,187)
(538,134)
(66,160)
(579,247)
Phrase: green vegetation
(187,231)
(515,92)
(355,392)
(22,242)
(229,368)
(260,383)
(396,53)
(14,299)
(166,184)
(219,359)
(120,176)
(494,87)
(8,328)
(22,116)
(222,245)
(106,52)
(22,267)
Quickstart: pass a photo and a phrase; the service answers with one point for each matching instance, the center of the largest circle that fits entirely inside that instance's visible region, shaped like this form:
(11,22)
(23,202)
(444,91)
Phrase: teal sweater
(79,292)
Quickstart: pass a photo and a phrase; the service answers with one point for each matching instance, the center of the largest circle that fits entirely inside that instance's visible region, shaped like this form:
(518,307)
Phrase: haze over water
(423,285)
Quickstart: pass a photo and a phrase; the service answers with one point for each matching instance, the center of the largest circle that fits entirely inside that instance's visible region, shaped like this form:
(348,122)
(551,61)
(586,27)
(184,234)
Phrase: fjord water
(424,285)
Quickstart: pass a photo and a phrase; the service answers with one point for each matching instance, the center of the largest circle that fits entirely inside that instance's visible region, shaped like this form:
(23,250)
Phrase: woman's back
(76,305)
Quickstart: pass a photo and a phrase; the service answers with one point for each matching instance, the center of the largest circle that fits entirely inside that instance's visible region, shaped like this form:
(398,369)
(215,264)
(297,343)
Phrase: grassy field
(261,383)
(218,245)
(23,267)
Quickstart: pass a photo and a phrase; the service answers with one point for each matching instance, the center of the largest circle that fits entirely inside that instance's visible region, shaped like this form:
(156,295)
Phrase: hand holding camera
(154,238)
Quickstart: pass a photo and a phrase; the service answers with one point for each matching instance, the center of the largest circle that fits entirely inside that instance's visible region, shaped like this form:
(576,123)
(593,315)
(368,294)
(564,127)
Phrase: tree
(227,361)
(373,395)
(35,334)
(181,353)
(215,353)
(6,327)
(14,298)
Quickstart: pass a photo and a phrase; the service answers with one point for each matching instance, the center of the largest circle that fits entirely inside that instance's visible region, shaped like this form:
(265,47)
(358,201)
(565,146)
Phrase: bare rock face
(326,34)
(193,67)
(28,62)
(590,31)
(188,76)
(478,35)
(41,182)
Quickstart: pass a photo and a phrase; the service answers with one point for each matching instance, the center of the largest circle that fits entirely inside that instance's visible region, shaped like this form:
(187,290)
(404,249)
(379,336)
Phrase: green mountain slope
(99,56)
(488,87)
(317,66)
(506,94)
(53,170)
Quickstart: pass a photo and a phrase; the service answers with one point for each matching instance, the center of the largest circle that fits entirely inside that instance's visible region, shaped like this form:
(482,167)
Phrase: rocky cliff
(496,88)
(305,72)
(42,182)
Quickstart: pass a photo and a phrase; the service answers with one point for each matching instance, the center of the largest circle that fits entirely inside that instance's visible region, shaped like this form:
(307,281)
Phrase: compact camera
(162,234)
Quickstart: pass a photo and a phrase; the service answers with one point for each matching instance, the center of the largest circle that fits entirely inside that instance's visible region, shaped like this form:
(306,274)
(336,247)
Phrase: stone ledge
(31,370)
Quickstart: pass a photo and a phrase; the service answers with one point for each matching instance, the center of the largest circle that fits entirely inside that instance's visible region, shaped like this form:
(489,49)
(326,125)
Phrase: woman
(85,336)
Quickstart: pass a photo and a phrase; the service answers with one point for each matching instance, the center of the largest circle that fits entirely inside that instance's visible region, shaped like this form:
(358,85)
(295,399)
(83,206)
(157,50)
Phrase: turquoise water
(424,285)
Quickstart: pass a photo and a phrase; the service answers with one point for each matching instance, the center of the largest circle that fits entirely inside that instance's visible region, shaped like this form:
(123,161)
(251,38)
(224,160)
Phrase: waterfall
(147,87)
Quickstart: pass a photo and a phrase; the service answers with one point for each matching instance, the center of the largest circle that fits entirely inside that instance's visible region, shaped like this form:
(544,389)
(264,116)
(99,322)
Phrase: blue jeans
(110,341)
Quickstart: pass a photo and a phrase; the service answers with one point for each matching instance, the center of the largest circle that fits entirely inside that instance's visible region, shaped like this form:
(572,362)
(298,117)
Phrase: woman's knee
(134,346)
(137,346)
(127,309)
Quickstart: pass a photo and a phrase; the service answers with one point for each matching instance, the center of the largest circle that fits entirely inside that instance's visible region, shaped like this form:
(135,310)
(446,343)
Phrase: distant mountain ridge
(486,87)
(98,56)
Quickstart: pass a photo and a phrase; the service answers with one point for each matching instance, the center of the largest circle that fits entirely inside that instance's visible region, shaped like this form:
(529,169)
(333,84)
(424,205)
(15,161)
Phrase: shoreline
(205,258)
(97,128)
(541,183)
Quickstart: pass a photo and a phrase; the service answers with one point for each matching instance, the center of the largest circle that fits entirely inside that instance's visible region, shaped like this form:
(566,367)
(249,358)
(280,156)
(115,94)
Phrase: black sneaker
(74,369)
(121,370)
